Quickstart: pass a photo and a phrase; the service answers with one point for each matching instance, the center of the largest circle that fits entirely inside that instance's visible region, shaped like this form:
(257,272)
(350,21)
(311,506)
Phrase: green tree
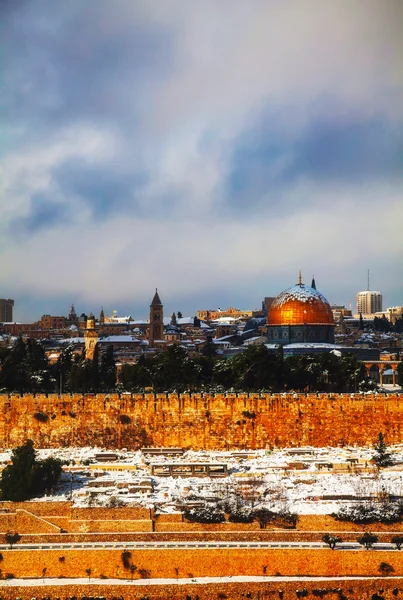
(108,370)
(95,378)
(25,368)
(397,540)
(209,350)
(12,538)
(27,477)
(331,540)
(382,457)
(367,540)
(264,516)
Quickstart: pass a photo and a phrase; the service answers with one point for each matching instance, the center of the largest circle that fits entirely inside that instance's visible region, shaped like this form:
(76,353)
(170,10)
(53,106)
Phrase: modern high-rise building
(369,302)
(6,310)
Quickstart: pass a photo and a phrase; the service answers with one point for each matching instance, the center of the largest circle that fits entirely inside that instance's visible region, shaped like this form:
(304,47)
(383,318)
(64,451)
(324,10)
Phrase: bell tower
(90,338)
(156,330)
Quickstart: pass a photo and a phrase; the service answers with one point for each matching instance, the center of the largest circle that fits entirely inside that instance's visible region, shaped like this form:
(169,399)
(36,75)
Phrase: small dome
(300,304)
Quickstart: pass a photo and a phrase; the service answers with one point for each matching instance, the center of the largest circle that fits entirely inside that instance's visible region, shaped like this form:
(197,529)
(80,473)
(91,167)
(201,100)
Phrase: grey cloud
(349,151)
(44,213)
(78,62)
(102,188)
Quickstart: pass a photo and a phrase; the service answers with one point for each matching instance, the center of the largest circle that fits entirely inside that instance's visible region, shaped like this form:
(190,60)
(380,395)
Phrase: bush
(41,417)
(204,514)
(241,515)
(264,516)
(385,568)
(376,513)
(125,419)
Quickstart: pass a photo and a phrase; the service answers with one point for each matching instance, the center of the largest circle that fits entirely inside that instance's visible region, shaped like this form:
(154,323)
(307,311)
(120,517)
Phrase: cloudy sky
(208,148)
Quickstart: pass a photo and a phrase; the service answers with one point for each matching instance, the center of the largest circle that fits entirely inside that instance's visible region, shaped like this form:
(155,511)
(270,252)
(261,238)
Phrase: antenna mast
(368,281)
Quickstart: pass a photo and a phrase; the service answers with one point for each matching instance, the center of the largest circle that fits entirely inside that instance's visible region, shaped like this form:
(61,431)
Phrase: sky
(209,148)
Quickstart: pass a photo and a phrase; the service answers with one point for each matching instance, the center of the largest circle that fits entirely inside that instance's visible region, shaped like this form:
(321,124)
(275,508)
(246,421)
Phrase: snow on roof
(223,320)
(313,345)
(300,292)
(119,338)
(72,340)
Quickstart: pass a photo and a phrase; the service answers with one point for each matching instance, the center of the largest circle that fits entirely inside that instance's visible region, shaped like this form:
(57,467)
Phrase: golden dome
(300,305)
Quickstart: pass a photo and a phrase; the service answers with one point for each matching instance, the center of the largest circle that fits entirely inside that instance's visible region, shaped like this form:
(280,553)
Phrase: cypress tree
(382,457)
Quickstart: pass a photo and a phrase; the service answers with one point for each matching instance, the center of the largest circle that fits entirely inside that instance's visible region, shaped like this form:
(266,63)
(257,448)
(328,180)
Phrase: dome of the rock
(300,304)
(300,314)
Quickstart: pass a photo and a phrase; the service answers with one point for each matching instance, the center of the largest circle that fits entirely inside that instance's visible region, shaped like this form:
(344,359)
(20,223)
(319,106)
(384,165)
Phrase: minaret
(90,337)
(156,330)
(299,277)
(313,284)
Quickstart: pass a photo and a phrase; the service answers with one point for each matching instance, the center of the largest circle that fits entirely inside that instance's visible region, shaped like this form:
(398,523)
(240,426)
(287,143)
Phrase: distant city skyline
(140,310)
(207,148)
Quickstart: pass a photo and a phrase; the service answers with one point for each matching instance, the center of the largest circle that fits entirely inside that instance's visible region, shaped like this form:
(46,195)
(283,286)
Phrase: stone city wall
(222,422)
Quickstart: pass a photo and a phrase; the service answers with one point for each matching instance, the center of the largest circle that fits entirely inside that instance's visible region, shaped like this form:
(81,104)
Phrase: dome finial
(299,277)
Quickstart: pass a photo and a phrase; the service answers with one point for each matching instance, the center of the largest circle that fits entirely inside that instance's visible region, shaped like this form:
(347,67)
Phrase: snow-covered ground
(306,480)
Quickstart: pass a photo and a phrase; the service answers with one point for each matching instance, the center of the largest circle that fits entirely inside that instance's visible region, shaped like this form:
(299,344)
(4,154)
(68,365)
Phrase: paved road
(192,545)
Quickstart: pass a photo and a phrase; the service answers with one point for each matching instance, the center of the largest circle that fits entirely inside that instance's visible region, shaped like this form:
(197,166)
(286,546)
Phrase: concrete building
(6,310)
(369,302)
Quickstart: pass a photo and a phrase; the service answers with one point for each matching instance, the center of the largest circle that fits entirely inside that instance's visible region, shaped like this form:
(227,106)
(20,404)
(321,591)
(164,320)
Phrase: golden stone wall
(361,589)
(200,562)
(223,421)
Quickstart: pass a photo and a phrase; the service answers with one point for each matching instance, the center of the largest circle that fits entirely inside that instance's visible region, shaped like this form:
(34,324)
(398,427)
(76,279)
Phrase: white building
(369,302)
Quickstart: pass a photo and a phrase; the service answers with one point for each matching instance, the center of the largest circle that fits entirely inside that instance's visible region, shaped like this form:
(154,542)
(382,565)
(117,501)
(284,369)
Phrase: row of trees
(367,539)
(383,324)
(25,368)
(255,369)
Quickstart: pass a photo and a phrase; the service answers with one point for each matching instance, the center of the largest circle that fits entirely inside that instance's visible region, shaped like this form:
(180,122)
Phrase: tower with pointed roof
(101,317)
(156,329)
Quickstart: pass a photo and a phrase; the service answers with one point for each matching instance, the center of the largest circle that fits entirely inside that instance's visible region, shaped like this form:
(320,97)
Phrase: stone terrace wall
(200,421)
(199,562)
(378,588)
